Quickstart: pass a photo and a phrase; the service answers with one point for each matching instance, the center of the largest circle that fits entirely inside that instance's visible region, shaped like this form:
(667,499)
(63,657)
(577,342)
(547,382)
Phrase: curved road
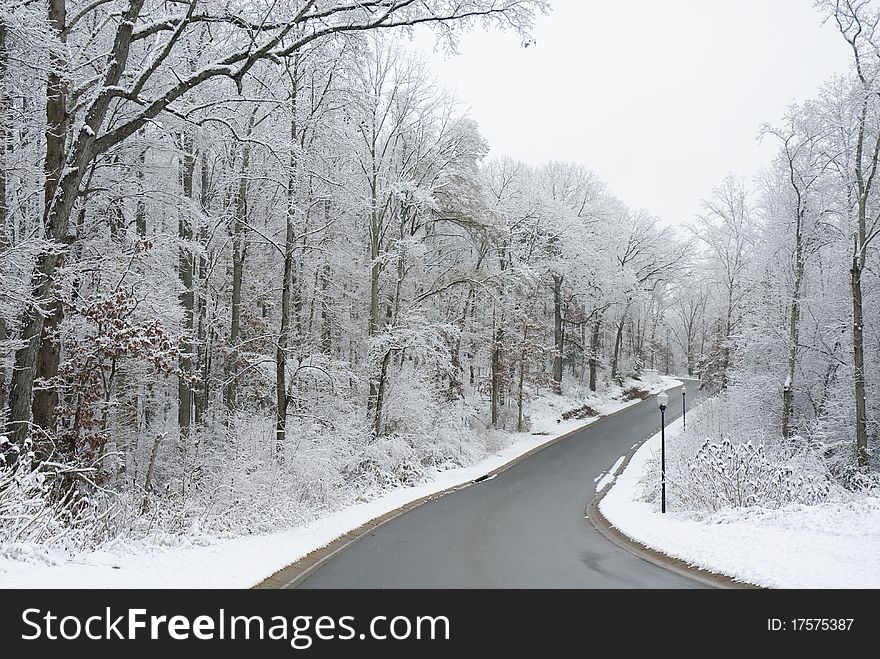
(525,528)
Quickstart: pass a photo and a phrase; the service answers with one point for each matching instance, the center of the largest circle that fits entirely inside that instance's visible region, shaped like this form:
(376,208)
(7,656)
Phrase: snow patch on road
(607,478)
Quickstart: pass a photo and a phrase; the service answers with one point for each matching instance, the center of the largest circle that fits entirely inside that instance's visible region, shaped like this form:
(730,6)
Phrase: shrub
(41,504)
(634,393)
(583,412)
(726,475)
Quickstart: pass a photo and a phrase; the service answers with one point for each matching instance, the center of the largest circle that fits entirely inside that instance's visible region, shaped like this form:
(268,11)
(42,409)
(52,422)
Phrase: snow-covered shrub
(390,460)
(238,482)
(422,431)
(729,459)
(413,402)
(32,510)
(726,475)
(231,476)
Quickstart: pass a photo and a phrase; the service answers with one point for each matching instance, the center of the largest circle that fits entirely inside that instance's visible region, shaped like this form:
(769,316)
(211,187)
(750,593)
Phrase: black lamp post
(662,401)
(684,390)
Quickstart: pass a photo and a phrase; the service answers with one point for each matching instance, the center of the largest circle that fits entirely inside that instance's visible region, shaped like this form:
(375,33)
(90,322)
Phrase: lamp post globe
(662,400)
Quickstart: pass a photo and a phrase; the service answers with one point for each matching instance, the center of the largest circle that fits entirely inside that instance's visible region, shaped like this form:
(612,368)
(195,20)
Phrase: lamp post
(662,401)
(684,390)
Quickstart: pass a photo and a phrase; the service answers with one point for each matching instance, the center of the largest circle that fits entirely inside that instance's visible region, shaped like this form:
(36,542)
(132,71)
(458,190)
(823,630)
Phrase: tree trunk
(4,209)
(401,266)
(57,218)
(725,348)
(375,272)
(859,360)
(286,288)
(116,220)
(140,212)
(585,357)
(522,378)
(201,366)
(793,327)
(239,252)
(377,392)
(558,334)
(519,393)
(618,340)
(48,354)
(380,394)
(865,177)
(594,352)
(283,337)
(48,358)
(57,120)
(691,339)
(326,330)
(668,354)
(185,275)
(496,366)
(456,376)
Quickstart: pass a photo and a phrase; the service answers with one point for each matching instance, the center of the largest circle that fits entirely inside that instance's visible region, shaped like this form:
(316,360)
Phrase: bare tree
(726,229)
(804,160)
(857,21)
(185,267)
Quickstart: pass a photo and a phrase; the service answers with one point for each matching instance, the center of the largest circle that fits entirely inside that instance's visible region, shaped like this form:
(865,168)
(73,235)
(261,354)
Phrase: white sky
(661,98)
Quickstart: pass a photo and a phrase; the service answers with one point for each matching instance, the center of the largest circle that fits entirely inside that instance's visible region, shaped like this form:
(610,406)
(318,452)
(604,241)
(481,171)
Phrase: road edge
(292,575)
(639,550)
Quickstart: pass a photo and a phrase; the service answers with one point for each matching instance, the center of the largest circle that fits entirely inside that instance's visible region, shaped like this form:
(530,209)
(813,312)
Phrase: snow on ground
(545,411)
(832,545)
(245,561)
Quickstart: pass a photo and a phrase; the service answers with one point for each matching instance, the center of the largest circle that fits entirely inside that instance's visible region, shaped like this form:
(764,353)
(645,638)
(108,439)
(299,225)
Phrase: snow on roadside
(831,545)
(546,411)
(244,561)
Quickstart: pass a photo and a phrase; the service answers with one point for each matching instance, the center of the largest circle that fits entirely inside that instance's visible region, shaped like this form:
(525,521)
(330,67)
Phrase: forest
(256,263)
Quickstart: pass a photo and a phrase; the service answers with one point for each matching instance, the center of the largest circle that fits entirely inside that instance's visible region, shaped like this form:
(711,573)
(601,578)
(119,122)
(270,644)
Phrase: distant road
(525,528)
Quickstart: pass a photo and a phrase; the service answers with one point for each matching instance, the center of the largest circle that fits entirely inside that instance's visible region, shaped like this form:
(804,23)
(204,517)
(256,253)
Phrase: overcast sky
(661,98)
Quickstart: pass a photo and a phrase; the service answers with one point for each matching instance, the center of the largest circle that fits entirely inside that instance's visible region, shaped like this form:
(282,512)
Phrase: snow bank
(829,545)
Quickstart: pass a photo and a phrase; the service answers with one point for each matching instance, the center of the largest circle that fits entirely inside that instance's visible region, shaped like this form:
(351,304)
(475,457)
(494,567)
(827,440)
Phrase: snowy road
(524,528)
